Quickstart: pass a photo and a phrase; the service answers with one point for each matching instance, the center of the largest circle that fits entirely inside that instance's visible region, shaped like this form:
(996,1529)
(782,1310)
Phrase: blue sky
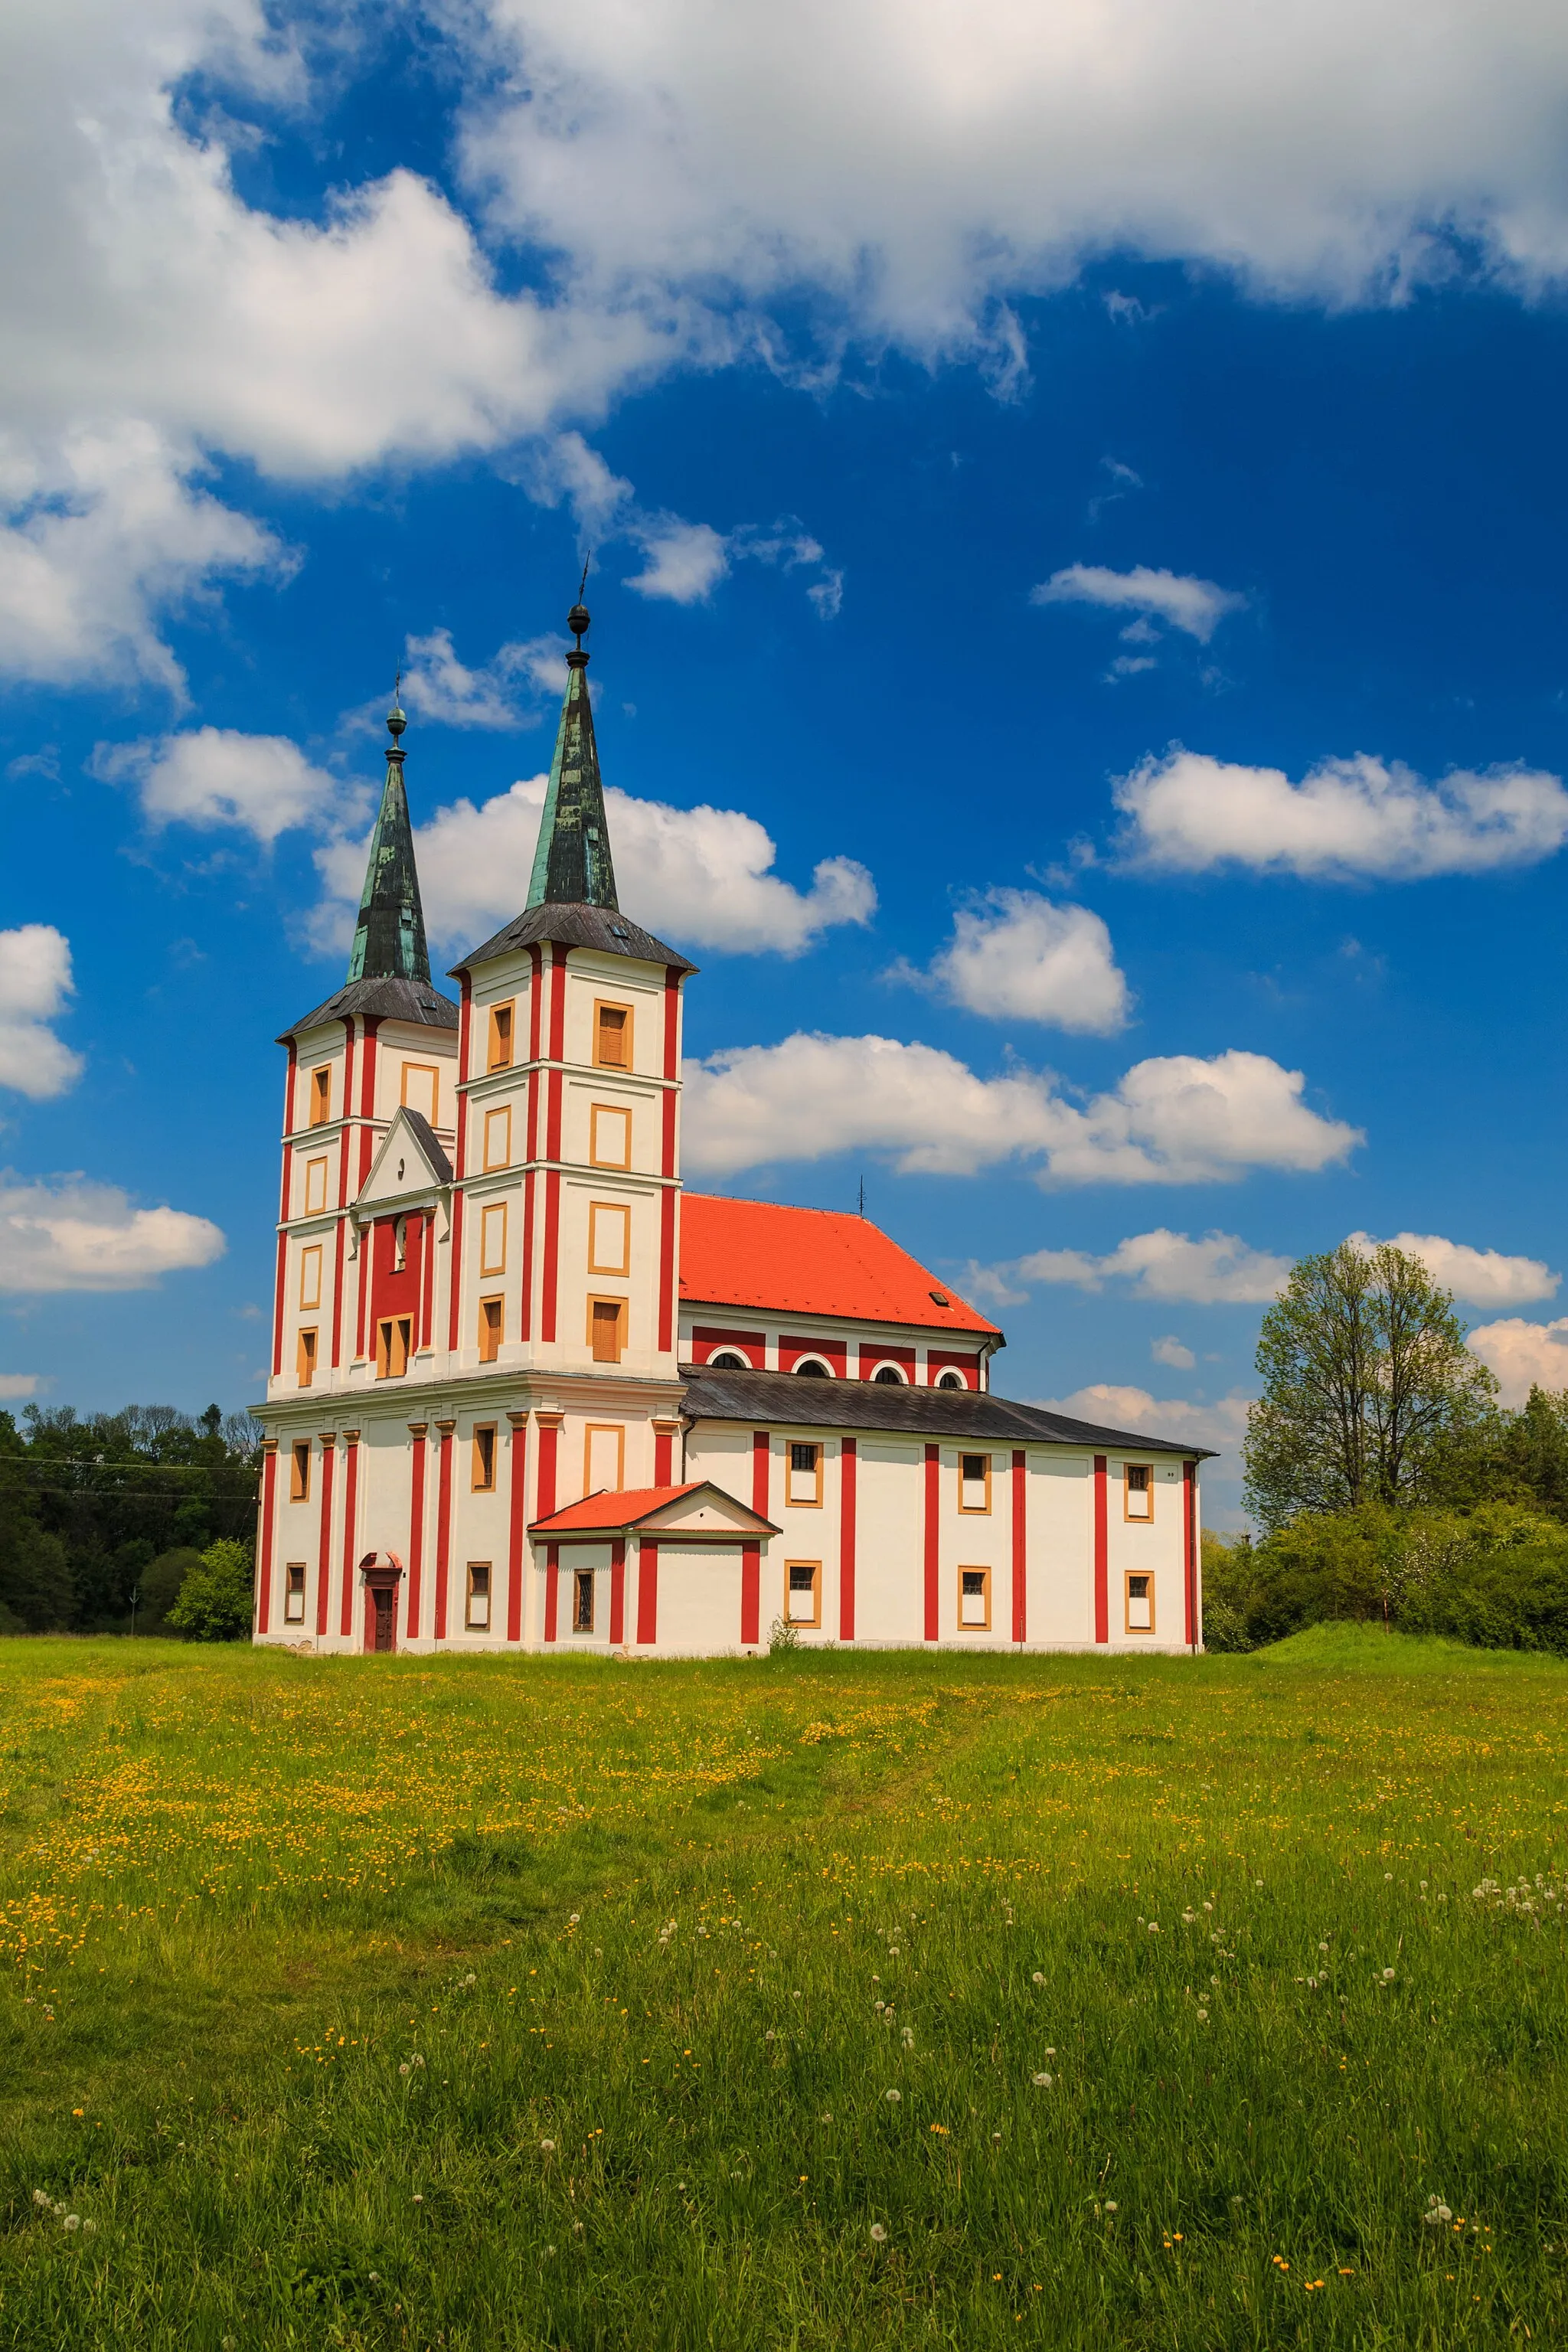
(1078,628)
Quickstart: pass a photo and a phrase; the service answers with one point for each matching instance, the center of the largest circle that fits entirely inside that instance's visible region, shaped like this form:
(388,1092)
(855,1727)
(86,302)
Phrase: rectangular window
(477,1618)
(609,1237)
(583,1601)
(422,1089)
(1139,1603)
(315,1187)
(490,1316)
(604,1457)
(607,1329)
(1138,1490)
(612,1036)
(803,1593)
(609,1136)
(498,1137)
(500,1037)
(493,1238)
(311,1275)
(294,1593)
(305,1360)
(485,1460)
(975,1481)
(300,1471)
(391,1342)
(974,1600)
(803,1483)
(320,1097)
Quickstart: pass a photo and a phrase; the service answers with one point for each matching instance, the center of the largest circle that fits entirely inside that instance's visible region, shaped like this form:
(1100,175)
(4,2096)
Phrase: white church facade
(527,1393)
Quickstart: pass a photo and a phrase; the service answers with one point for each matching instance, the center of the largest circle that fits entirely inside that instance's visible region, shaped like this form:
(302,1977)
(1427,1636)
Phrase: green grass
(476,2005)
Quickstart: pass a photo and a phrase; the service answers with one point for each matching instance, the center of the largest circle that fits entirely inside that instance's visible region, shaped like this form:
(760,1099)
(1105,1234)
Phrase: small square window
(500,1037)
(612,1037)
(393,1335)
(294,1593)
(320,1097)
(1139,1603)
(477,1619)
(803,1593)
(300,1471)
(485,1460)
(805,1481)
(491,1312)
(975,1481)
(583,1601)
(305,1364)
(607,1329)
(974,1600)
(1138,1490)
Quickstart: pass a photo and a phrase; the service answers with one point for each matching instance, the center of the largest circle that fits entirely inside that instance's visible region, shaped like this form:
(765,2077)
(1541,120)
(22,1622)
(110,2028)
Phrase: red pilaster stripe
(667,1263)
(1190,1550)
(324,1554)
(455,1269)
(552,1238)
(443,1526)
(1020,1547)
(283,1206)
(618,1592)
(536,961)
(648,1589)
(671,1025)
(416,1529)
(455,1266)
(552,1588)
(350,1496)
(549,1441)
(557,1006)
(338,1279)
(663,1456)
(367,1097)
(525,1303)
(750,1591)
(264,1538)
(363,1258)
(278,1299)
(428,1298)
(932,1548)
(760,1456)
(848,1465)
(519,1518)
(1102,1555)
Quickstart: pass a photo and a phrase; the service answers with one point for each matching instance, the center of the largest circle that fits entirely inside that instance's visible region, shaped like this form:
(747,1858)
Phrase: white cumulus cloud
(1220,1270)
(1222,1424)
(502,693)
(1187,814)
(35,989)
(68,1232)
(1481,1277)
(218,776)
(1015,956)
(1195,606)
(1176,1120)
(14,1387)
(685,561)
(1523,1355)
(698,877)
(1172,1352)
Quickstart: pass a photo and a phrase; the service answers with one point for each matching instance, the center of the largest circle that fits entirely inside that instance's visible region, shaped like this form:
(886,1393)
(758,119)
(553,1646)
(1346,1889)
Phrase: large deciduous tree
(1367,1385)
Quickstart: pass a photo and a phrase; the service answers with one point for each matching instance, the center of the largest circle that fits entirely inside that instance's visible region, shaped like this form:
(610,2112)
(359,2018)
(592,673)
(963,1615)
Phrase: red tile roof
(615,1506)
(757,1255)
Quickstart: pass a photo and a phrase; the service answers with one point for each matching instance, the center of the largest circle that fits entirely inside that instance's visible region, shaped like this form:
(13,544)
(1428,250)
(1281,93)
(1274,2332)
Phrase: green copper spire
(389,940)
(572,864)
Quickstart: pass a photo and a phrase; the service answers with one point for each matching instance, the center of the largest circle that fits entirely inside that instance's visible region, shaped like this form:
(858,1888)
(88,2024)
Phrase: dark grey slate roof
(786,1397)
(577,927)
(383,1000)
(424,1134)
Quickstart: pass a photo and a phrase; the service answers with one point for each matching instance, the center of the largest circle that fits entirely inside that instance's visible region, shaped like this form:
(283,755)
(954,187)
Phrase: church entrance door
(384,1632)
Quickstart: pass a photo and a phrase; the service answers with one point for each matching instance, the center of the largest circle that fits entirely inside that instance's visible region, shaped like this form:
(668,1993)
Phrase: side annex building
(526,1392)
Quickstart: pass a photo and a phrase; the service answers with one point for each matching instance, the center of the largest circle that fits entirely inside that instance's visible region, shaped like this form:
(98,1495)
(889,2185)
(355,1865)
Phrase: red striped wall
(1102,1555)
(848,1465)
(1020,1547)
(932,1543)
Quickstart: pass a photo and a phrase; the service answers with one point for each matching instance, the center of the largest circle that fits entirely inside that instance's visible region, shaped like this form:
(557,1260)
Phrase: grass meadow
(880,2000)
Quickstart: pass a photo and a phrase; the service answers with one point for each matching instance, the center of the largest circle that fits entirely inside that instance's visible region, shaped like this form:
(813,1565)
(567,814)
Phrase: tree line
(1387,1482)
(105,1516)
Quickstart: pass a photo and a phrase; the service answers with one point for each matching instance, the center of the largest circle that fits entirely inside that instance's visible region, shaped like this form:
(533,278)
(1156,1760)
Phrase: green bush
(215,1600)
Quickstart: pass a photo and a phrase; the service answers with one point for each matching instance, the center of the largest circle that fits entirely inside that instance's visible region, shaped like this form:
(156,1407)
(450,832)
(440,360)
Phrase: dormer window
(952,1380)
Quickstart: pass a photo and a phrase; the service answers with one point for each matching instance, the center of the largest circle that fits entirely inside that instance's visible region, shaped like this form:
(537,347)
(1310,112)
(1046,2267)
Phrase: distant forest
(101,1516)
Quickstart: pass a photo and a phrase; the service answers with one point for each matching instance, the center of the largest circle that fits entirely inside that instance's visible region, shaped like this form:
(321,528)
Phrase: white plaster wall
(574,1557)
(890,1548)
(1059,1539)
(617,980)
(1157,1547)
(699,1600)
(975,1540)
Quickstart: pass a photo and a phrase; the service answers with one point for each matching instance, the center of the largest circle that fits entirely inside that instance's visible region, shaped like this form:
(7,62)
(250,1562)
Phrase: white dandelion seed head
(909,2037)
(1111,2206)
(1042,2082)
(1388,1975)
(1322,1947)
(73,2221)
(1153,1927)
(42,2197)
(574,1918)
(878,2235)
(547,2147)
(892,2098)
(1203,2016)
(404,2069)
(1040,1975)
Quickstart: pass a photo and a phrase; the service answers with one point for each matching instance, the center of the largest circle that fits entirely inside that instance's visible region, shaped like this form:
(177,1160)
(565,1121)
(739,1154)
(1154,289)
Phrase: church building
(528,1394)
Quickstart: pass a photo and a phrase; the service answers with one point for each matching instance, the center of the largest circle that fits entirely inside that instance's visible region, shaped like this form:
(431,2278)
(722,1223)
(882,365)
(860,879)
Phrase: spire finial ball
(577,620)
(396,721)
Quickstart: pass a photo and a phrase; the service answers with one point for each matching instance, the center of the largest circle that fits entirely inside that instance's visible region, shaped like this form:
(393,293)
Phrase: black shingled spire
(389,940)
(572,864)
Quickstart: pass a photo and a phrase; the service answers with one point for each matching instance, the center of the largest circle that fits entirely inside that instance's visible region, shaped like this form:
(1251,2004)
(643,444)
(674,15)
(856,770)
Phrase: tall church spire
(389,940)
(572,864)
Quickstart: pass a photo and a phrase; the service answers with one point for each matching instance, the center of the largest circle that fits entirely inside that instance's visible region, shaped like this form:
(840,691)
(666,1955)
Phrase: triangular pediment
(409,1166)
(707,1511)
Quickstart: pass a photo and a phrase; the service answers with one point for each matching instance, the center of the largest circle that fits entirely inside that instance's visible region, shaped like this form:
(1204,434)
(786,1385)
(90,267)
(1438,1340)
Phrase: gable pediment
(410,1167)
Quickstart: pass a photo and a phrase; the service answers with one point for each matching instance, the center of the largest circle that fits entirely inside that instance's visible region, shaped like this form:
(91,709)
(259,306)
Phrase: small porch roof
(697,1510)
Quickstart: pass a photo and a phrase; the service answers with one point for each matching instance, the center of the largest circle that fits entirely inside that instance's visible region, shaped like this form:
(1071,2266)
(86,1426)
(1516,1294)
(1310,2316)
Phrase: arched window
(888,1376)
(952,1380)
(812,1368)
(727,1360)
